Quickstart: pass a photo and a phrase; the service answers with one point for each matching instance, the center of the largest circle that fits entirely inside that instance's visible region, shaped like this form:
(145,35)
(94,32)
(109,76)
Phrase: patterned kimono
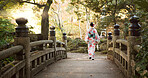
(92,40)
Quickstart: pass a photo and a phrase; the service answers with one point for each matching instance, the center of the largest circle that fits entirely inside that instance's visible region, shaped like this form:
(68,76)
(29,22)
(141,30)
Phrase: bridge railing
(121,56)
(31,57)
(122,51)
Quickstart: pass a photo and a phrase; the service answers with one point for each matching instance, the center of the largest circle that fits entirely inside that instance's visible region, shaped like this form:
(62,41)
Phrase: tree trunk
(45,20)
(87,19)
(80,29)
(58,17)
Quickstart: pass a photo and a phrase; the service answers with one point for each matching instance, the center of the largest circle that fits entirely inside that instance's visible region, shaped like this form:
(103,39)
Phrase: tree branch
(4,4)
(39,5)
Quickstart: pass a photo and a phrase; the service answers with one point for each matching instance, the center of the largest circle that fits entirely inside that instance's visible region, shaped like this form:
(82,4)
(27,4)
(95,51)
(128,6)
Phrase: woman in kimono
(92,38)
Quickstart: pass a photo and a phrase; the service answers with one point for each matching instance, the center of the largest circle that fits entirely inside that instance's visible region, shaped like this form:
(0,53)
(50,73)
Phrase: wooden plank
(60,48)
(58,57)
(41,67)
(60,42)
(41,53)
(22,73)
(10,51)
(17,74)
(8,66)
(36,43)
(44,58)
(9,73)
(122,41)
(123,69)
(121,53)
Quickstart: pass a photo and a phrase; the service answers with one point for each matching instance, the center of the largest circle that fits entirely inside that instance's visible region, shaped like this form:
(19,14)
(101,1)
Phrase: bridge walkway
(77,65)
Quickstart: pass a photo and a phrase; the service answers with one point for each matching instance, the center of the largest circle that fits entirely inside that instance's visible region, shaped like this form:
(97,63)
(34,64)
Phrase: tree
(56,9)
(77,11)
(45,17)
(4,3)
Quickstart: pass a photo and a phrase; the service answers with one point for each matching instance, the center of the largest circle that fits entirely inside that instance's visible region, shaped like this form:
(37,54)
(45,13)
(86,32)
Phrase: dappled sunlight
(123,16)
(27,12)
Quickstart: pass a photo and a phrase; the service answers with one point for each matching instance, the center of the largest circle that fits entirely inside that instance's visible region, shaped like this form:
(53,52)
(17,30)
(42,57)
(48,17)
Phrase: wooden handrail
(10,72)
(121,53)
(36,43)
(122,41)
(38,54)
(10,51)
(60,42)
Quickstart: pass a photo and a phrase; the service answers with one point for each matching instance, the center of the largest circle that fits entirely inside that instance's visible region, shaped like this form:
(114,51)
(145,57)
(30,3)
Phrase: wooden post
(23,39)
(65,41)
(52,37)
(109,54)
(109,39)
(133,39)
(115,37)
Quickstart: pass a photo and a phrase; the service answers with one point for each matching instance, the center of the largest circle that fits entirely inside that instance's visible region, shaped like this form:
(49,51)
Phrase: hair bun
(91,24)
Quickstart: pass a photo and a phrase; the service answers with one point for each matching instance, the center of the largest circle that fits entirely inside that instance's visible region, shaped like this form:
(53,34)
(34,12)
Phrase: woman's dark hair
(91,24)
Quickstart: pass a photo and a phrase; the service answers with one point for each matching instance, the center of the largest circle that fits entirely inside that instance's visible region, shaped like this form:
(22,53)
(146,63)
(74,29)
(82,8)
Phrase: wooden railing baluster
(31,57)
(124,50)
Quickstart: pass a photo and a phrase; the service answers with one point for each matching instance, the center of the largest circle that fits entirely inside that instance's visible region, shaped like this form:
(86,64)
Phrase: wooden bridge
(32,57)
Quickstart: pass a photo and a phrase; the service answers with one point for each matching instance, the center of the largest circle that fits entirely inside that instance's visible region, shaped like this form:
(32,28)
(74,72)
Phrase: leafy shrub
(7,61)
(142,56)
(103,44)
(74,44)
(6,27)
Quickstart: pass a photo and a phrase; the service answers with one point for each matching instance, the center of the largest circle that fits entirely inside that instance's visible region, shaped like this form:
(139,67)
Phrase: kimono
(92,38)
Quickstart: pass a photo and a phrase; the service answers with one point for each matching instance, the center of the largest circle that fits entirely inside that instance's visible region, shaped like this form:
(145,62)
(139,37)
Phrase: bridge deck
(79,66)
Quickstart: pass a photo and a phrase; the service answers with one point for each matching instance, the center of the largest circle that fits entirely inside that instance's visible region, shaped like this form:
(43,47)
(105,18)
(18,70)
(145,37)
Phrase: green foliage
(6,27)
(7,61)
(5,4)
(142,56)
(74,44)
(103,41)
(142,4)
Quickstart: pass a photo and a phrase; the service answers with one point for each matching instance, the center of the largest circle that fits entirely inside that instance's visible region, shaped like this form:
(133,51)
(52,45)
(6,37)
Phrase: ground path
(77,65)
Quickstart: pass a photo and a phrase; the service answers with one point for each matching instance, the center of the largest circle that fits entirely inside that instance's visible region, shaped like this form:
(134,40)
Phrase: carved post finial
(116,30)
(21,30)
(64,36)
(109,36)
(134,29)
(52,31)
(65,41)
